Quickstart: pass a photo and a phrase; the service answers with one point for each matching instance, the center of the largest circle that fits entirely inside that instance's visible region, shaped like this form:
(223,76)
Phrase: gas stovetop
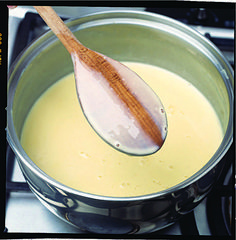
(213,216)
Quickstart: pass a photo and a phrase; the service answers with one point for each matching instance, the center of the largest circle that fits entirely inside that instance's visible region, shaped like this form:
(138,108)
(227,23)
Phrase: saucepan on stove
(125,36)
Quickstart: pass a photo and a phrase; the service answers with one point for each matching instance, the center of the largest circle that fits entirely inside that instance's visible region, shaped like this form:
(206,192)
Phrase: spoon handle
(59,28)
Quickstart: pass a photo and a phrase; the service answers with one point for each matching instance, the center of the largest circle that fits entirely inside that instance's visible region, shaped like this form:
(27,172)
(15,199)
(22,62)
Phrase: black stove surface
(219,202)
(204,16)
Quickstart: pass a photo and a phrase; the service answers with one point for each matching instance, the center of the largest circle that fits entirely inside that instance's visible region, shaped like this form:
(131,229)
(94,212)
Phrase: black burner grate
(219,201)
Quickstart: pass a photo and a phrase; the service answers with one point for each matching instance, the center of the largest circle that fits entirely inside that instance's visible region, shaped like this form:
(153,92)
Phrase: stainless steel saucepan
(124,36)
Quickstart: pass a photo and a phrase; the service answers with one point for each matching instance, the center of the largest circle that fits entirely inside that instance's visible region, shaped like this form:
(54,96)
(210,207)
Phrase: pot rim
(14,142)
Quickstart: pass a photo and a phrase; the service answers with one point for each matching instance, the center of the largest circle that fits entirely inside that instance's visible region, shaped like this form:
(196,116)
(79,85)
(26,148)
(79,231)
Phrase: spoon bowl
(117,103)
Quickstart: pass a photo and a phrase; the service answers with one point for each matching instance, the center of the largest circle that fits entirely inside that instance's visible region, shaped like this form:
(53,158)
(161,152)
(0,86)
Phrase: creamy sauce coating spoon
(118,104)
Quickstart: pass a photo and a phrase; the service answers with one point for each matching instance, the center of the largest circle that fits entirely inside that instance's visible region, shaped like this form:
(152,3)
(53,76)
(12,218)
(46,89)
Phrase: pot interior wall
(47,61)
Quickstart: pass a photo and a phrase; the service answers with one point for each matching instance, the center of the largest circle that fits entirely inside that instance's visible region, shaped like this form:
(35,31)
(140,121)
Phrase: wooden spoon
(117,103)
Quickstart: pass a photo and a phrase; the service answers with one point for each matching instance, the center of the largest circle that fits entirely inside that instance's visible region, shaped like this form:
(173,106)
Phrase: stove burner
(90,222)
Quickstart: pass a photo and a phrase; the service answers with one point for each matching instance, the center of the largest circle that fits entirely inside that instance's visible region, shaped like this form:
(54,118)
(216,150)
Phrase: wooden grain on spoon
(123,87)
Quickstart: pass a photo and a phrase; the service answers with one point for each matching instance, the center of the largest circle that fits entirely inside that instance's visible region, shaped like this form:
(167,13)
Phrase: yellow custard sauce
(58,138)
